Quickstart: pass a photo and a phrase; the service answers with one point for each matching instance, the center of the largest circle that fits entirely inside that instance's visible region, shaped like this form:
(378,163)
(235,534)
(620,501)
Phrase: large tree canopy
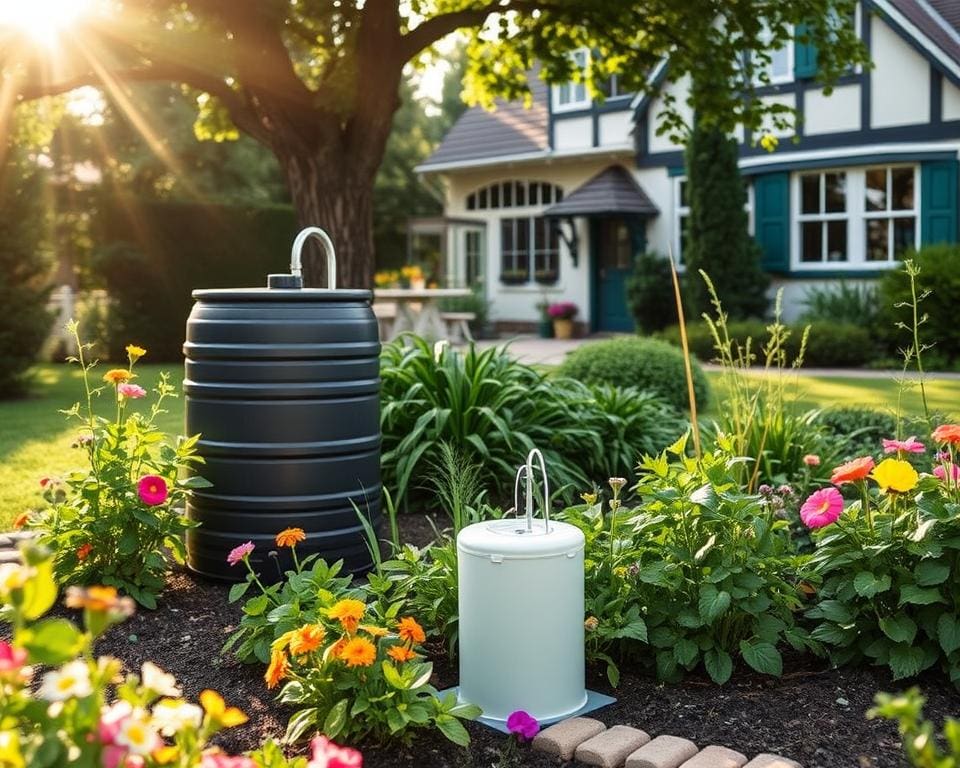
(317,81)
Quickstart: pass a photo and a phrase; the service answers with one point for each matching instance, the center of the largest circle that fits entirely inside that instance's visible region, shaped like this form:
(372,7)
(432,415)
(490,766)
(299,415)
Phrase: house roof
(949,11)
(511,129)
(613,190)
(938,20)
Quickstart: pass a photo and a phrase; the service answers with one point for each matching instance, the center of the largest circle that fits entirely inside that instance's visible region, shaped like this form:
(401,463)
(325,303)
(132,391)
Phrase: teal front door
(613,250)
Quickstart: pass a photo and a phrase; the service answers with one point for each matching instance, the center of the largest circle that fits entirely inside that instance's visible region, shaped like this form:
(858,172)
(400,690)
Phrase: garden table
(418,310)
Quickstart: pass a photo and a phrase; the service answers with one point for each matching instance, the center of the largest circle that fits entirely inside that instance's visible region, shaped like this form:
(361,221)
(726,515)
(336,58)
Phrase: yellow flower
(409,630)
(358,652)
(118,376)
(218,711)
(589,498)
(307,639)
(165,754)
(135,353)
(895,475)
(348,612)
(277,670)
(290,537)
(769,142)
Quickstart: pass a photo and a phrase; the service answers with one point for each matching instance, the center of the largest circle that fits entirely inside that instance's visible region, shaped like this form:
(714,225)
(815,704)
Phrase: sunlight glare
(42,20)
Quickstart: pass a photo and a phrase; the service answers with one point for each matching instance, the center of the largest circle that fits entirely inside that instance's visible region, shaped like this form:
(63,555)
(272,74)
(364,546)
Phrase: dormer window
(573,95)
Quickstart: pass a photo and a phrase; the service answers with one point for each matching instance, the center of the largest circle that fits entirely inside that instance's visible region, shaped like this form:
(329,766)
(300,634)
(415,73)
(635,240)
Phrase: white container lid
(510,539)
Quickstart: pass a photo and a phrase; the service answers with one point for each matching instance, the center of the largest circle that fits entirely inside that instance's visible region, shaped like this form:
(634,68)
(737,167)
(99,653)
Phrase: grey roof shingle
(613,190)
(937,19)
(511,129)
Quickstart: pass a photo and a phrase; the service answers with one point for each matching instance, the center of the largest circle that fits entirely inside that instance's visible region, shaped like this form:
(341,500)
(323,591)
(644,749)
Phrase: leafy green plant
(112,523)
(646,364)
(860,429)
(921,746)
(650,293)
(842,303)
(699,572)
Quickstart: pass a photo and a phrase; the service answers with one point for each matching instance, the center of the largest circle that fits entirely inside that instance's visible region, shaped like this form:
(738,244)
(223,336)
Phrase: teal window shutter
(804,53)
(938,202)
(771,195)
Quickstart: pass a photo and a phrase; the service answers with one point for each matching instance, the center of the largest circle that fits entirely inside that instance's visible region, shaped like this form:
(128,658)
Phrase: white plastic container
(521,613)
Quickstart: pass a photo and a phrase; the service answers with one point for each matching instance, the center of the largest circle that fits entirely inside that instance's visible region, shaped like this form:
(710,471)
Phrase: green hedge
(152,255)
(647,364)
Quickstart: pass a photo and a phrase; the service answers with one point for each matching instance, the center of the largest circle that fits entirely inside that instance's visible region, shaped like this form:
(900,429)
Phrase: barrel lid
(509,539)
(282,294)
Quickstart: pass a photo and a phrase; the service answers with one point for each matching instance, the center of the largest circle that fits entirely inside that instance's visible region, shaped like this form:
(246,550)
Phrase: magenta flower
(11,659)
(326,754)
(131,391)
(240,553)
(822,508)
(910,445)
(523,725)
(940,471)
(152,490)
(220,760)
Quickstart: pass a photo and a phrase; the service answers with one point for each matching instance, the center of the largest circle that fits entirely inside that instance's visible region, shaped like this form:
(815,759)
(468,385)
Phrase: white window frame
(790,53)
(856,216)
(681,211)
(891,213)
(572,105)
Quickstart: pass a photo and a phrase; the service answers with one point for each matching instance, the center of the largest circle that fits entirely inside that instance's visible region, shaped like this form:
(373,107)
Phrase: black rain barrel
(282,384)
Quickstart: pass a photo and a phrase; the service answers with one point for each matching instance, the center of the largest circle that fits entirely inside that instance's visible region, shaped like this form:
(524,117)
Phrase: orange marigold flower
(307,639)
(375,631)
(277,670)
(401,653)
(947,433)
(333,652)
(99,600)
(21,520)
(348,612)
(118,376)
(852,471)
(83,551)
(358,652)
(409,630)
(290,537)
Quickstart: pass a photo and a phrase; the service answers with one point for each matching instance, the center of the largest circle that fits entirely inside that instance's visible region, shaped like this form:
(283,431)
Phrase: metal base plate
(594,702)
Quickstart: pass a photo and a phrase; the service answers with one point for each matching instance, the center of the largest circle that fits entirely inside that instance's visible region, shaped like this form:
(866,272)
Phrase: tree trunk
(326,194)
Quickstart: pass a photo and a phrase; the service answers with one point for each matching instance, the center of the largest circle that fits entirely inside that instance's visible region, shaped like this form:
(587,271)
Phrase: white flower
(171,716)
(71,681)
(137,734)
(159,681)
(13,576)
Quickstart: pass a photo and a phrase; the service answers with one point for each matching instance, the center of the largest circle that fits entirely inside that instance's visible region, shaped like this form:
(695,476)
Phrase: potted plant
(562,314)
(414,276)
(514,276)
(545,327)
(546,276)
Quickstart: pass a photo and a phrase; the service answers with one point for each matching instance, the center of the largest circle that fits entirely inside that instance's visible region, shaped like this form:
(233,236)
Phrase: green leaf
(613,674)
(336,719)
(868,585)
(763,657)
(713,603)
(453,729)
(685,652)
(705,549)
(299,723)
(919,595)
(900,628)
(719,665)
(905,660)
(40,591)
(392,676)
(395,720)
(51,642)
(255,606)
(929,573)
(238,590)
(948,632)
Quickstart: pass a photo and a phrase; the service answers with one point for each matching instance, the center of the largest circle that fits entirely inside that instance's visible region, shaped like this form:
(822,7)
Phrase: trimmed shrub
(650,293)
(940,276)
(24,276)
(648,364)
(854,304)
(861,429)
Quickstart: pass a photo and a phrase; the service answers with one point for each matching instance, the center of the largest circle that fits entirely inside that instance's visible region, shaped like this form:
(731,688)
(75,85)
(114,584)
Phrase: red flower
(83,551)
(852,471)
(152,490)
(947,433)
(21,520)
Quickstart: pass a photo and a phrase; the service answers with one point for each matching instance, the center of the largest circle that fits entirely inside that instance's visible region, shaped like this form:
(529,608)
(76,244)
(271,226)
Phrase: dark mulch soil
(812,714)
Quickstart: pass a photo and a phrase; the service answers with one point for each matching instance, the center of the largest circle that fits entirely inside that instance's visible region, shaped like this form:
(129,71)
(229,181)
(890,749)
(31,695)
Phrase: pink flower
(220,760)
(11,659)
(910,445)
(940,471)
(811,460)
(152,490)
(523,725)
(822,508)
(131,391)
(326,754)
(240,553)
(111,721)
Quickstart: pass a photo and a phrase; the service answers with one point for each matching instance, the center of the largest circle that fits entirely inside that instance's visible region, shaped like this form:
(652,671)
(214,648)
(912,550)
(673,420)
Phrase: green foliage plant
(649,293)
(697,573)
(646,364)
(921,745)
(843,303)
(113,522)
(88,711)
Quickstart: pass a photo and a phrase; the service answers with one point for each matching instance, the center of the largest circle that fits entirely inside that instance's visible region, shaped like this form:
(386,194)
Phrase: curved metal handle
(296,266)
(526,470)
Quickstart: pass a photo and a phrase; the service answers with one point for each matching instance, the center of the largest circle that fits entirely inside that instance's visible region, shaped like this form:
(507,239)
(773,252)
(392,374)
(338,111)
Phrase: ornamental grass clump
(886,563)
(114,522)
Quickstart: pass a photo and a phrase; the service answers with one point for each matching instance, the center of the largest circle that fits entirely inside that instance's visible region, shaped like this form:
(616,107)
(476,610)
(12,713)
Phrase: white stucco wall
(840,111)
(679,92)
(572,133)
(616,128)
(795,293)
(659,187)
(951,101)
(900,81)
(786,100)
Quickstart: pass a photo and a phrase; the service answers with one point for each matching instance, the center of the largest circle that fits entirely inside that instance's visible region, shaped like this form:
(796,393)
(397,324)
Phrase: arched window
(514,194)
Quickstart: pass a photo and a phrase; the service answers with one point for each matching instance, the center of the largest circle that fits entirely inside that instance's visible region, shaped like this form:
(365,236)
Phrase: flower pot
(418,283)
(563,328)
(546,328)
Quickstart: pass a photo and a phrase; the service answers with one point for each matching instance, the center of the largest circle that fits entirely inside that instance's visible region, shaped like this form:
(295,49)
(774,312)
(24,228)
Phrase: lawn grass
(35,438)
